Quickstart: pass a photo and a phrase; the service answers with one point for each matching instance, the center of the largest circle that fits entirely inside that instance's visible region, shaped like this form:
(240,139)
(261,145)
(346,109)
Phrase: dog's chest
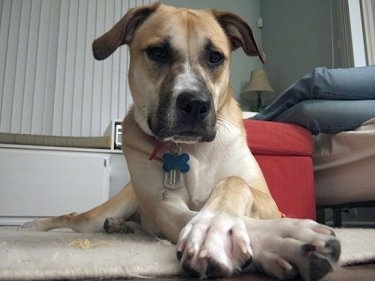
(208,165)
(201,179)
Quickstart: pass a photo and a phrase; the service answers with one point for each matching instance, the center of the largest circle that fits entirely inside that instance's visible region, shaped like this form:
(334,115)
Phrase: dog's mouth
(178,134)
(188,139)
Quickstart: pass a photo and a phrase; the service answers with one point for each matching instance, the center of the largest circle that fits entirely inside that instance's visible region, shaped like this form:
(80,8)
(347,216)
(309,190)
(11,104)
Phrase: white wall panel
(19,87)
(29,67)
(49,81)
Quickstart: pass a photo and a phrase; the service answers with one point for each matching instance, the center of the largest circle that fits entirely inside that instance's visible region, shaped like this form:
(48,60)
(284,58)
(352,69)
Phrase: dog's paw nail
(309,247)
(324,230)
(179,255)
(247,262)
(286,266)
(318,243)
(181,245)
(215,269)
(107,225)
(190,271)
(190,252)
(245,249)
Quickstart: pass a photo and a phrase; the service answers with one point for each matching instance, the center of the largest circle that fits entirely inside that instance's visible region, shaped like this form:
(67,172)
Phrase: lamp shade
(258,83)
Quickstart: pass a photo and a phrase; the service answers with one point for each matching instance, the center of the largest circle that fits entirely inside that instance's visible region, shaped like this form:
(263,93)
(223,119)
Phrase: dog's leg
(123,205)
(215,242)
(288,248)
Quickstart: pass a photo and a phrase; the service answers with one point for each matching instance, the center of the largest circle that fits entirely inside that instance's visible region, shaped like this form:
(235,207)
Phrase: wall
(368,19)
(355,14)
(249,10)
(296,38)
(49,82)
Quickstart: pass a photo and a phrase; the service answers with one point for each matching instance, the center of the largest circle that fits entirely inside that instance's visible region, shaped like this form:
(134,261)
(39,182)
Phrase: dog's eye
(215,58)
(159,54)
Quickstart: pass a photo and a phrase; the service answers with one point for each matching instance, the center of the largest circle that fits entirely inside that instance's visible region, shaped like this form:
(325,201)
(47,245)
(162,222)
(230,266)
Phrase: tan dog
(193,177)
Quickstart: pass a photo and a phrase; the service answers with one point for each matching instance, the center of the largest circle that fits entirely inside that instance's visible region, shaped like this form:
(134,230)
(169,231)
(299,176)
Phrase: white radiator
(44,182)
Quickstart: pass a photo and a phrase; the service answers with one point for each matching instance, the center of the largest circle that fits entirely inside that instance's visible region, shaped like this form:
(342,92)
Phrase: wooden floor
(356,273)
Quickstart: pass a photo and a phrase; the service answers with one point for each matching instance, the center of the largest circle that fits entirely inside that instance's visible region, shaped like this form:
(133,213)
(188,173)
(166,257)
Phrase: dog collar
(175,165)
(155,151)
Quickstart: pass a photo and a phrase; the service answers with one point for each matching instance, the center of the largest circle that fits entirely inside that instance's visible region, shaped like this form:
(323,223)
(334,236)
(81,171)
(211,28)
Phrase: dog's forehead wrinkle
(186,27)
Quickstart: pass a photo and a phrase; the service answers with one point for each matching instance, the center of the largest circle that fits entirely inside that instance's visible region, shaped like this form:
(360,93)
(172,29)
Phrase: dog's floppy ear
(123,31)
(239,34)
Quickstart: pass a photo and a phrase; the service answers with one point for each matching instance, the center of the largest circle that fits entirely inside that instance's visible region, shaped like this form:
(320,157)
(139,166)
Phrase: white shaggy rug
(68,255)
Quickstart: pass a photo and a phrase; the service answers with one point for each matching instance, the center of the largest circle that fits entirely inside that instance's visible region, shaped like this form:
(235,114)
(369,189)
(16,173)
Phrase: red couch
(283,152)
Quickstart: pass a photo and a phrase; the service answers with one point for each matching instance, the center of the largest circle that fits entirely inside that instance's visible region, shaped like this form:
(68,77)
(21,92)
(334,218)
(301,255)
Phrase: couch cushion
(273,138)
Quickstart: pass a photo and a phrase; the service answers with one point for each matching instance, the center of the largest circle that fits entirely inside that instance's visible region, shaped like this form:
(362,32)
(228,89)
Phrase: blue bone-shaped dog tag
(176,162)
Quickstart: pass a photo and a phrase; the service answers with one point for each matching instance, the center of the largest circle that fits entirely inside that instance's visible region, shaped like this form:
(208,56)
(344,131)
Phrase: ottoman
(284,153)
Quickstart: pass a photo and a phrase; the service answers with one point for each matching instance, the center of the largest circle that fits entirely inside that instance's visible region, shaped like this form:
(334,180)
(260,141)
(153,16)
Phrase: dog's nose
(193,106)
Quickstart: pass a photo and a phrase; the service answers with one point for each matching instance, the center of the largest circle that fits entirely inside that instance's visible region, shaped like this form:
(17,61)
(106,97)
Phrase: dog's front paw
(49,223)
(36,225)
(288,248)
(214,245)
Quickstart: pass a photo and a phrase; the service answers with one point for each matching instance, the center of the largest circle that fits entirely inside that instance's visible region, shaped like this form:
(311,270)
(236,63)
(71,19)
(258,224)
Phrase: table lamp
(258,85)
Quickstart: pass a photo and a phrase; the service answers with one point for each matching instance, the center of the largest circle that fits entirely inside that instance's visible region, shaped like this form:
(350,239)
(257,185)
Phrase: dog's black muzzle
(190,117)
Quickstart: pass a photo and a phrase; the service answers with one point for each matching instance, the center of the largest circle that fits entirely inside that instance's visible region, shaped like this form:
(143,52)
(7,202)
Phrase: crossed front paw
(290,248)
(214,245)
(218,245)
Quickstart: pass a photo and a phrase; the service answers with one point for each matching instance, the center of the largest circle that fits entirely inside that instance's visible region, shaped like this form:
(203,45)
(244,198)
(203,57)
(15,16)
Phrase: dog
(193,177)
